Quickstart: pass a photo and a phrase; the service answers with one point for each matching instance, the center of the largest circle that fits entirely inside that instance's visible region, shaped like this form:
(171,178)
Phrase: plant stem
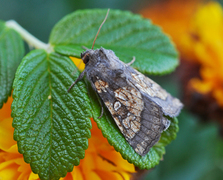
(29,38)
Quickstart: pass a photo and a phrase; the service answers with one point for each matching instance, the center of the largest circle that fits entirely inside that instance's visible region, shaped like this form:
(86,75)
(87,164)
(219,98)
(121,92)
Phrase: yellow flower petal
(78,62)
(75,174)
(33,176)
(200,86)
(218,94)
(110,175)
(8,170)
(6,135)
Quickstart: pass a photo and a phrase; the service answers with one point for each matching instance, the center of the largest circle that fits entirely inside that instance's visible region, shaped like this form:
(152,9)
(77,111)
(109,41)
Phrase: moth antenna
(100,28)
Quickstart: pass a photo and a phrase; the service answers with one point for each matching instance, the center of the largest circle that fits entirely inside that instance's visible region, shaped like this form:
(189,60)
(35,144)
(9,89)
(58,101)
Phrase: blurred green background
(39,17)
(197,153)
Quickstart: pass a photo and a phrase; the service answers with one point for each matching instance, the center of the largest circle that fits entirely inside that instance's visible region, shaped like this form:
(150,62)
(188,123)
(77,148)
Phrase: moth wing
(170,105)
(139,119)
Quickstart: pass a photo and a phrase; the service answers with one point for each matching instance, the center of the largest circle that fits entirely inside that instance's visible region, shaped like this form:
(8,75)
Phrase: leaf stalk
(29,38)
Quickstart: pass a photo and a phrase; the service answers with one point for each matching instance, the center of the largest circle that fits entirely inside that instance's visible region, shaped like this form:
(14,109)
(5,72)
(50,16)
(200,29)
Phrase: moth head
(89,57)
(92,56)
(85,57)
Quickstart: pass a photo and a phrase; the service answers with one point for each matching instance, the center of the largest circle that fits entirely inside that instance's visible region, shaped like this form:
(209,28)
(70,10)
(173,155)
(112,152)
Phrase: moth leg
(100,100)
(102,109)
(78,79)
(166,123)
(132,61)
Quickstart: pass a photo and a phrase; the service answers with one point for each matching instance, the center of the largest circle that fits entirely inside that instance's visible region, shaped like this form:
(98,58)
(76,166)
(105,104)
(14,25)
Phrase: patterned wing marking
(114,114)
(117,105)
(139,119)
(171,106)
(135,125)
(101,86)
(126,122)
(148,86)
(150,129)
(125,105)
(125,125)
(131,98)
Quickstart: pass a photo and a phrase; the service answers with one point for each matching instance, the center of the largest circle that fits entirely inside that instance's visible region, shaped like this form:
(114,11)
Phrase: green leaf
(115,138)
(170,134)
(52,126)
(69,50)
(126,34)
(11,53)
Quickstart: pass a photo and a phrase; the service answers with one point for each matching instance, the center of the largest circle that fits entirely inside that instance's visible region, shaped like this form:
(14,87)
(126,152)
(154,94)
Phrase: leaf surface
(126,34)
(11,53)
(52,126)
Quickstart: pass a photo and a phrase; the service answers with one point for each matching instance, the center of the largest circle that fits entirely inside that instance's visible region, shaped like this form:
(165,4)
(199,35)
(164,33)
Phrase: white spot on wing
(117,105)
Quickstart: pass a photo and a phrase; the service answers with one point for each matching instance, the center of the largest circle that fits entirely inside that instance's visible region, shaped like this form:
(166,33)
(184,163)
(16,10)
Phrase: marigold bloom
(197,30)
(207,26)
(101,160)
(174,17)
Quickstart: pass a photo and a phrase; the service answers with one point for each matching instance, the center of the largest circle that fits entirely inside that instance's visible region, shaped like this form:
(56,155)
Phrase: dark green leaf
(170,134)
(126,34)
(115,138)
(51,125)
(69,50)
(11,53)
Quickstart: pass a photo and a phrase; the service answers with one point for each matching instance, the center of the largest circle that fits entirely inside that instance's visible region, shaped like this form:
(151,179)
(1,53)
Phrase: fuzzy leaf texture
(52,126)
(11,53)
(126,34)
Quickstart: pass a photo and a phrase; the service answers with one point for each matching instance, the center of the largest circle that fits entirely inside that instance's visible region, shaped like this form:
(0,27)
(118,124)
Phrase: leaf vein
(30,98)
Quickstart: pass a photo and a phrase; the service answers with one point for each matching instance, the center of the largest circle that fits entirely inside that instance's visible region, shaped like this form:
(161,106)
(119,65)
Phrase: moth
(138,105)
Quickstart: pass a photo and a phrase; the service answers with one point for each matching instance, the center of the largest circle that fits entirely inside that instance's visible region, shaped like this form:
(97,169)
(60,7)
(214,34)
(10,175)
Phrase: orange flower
(12,165)
(101,160)
(197,30)
(207,25)
(174,17)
